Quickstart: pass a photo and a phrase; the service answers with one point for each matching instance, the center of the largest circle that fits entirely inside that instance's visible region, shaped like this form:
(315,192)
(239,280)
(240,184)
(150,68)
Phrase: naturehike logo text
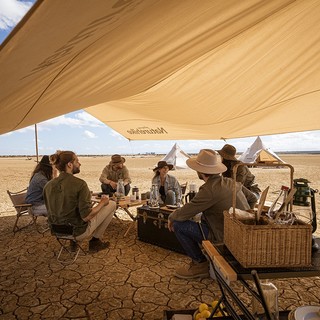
(147,130)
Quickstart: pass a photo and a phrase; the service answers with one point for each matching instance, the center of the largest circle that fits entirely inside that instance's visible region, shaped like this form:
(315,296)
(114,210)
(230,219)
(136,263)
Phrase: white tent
(166,70)
(177,157)
(259,153)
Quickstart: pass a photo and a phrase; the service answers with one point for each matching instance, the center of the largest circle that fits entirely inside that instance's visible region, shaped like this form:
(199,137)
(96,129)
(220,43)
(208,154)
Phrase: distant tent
(259,153)
(177,157)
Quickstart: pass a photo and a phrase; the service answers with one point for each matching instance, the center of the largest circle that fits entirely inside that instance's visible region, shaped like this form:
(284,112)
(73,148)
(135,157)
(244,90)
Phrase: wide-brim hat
(162,164)
(207,161)
(45,161)
(228,152)
(116,158)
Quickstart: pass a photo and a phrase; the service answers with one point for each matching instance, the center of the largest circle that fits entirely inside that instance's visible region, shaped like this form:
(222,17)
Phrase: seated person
(213,197)
(169,187)
(40,176)
(114,171)
(68,201)
(244,175)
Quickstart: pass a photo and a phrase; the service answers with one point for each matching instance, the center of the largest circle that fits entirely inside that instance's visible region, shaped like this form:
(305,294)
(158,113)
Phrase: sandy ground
(15,174)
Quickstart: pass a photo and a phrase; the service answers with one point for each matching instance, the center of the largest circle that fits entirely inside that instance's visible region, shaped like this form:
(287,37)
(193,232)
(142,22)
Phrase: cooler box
(153,228)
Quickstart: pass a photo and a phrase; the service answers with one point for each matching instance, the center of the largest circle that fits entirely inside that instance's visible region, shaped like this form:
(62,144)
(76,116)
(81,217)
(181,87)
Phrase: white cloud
(90,134)
(117,135)
(11,12)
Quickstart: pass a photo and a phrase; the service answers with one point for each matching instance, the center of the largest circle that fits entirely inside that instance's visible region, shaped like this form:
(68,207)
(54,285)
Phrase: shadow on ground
(130,280)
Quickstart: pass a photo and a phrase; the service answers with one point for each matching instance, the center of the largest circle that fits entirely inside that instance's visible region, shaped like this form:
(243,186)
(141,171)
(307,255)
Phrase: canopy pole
(36,138)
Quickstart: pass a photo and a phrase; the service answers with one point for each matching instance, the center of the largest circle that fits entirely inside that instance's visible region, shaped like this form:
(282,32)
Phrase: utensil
(261,203)
(285,203)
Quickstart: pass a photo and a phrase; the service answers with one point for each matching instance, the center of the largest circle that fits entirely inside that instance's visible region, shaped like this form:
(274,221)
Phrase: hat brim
(226,156)
(123,160)
(170,166)
(216,169)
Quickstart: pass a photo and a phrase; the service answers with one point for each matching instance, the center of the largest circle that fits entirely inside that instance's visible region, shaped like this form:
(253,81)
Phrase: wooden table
(123,204)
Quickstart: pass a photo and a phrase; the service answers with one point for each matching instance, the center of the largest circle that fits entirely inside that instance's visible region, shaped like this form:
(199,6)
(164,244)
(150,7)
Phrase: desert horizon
(16,172)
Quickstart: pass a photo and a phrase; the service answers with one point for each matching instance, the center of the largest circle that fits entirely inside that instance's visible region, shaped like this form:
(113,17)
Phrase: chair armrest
(23,205)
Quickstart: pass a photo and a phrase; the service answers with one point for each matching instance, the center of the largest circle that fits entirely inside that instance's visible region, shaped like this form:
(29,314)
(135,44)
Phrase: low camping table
(123,204)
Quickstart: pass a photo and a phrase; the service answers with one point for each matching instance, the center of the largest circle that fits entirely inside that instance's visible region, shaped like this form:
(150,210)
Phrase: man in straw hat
(244,175)
(111,174)
(214,196)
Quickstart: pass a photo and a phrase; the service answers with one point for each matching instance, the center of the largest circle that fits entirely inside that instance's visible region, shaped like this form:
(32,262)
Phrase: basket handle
(235,169)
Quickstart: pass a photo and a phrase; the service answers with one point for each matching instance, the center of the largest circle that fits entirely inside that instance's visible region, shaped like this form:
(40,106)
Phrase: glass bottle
(154,196)
(120,189)
(270,293)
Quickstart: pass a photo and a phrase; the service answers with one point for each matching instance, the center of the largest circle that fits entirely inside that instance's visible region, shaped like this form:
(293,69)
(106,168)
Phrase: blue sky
(87,135)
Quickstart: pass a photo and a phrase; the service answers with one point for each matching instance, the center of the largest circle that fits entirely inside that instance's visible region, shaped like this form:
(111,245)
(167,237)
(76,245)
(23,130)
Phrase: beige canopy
(166,69)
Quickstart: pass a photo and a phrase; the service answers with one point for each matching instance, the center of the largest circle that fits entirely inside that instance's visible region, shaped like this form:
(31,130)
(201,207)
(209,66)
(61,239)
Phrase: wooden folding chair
(18,200)
(183,192)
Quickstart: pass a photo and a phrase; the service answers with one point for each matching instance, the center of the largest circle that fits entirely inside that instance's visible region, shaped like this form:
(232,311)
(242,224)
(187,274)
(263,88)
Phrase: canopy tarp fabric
(161,69)
(177,157)
(259,153)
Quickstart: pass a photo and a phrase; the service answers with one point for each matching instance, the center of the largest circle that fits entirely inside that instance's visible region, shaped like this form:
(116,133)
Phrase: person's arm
(241,174)
(104,176)
(251,198)
(125,176)
(95,210)
(177,190)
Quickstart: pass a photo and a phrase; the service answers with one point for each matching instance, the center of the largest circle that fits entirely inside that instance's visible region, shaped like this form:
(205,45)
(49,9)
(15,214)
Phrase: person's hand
(104,199)
(113,185)
(170,226)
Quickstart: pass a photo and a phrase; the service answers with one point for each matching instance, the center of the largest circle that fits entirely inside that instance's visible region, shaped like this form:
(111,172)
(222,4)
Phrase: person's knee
(112,205)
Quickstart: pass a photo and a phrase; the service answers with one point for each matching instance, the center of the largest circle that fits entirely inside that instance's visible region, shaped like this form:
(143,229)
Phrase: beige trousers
(98,224)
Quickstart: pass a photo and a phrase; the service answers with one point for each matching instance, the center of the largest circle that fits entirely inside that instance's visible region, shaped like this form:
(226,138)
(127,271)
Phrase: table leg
(133,220)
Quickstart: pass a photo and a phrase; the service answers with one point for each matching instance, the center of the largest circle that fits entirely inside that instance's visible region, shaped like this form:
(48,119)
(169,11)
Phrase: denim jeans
(190,237)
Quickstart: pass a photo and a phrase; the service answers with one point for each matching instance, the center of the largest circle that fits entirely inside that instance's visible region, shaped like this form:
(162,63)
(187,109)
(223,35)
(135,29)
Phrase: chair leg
(16,227)
(71,256)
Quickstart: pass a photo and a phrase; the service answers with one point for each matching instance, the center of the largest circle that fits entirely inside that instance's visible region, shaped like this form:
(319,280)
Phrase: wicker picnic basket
(266,244)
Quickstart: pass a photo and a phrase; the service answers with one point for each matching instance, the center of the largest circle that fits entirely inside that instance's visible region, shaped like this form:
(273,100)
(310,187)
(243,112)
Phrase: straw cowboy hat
(228,152)
(207,162)
(116,158)
(162,164)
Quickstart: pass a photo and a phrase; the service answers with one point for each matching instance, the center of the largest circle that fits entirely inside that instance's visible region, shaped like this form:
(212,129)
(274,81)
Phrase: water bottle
(135,192)
(154,196)
(120,189)
(270,293)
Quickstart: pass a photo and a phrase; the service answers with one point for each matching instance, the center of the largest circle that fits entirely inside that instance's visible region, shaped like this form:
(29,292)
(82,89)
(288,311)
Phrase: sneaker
(98,245)
(193,270)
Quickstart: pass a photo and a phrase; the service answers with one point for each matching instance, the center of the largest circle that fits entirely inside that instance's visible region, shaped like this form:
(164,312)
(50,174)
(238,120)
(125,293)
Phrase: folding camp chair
(64,235)
(183,192)
(18,200)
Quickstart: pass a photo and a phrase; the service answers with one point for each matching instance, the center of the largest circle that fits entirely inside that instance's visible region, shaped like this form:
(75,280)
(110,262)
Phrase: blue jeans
(190,237)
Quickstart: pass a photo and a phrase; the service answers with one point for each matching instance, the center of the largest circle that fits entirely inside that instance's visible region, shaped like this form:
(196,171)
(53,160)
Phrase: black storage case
(153,228)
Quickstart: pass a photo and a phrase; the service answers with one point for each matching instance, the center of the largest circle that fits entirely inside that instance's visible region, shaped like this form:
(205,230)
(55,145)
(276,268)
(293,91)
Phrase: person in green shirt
(68,201)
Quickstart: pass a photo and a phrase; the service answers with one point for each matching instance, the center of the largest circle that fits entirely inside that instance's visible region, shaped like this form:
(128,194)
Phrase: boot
(97,245)
(193,270)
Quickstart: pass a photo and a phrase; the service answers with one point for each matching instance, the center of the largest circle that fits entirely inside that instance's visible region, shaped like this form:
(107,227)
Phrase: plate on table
(307,313)
(172,206)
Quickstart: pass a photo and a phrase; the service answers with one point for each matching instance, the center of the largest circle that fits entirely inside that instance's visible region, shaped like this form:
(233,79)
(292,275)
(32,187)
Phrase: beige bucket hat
(207,161)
